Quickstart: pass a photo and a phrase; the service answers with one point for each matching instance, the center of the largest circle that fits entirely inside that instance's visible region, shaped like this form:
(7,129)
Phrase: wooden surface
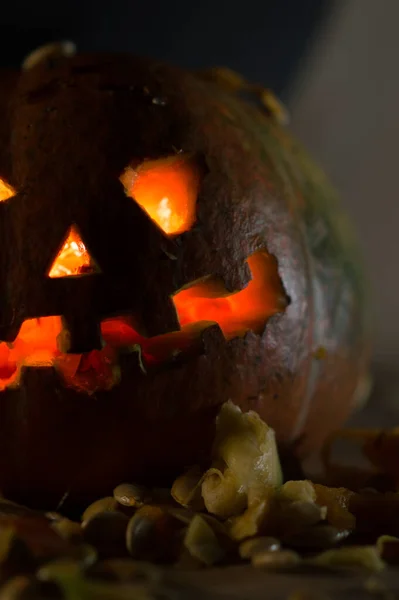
(246,583)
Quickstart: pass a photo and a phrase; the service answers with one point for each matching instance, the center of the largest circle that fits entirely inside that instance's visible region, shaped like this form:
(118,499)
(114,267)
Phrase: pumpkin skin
(68,130)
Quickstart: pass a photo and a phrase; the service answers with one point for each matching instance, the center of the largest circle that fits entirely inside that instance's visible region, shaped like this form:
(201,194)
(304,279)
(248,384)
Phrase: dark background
(264,39)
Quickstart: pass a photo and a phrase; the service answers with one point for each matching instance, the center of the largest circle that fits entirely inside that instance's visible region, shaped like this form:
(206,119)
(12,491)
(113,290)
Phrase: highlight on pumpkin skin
(167,190)
(6,191)
(73,258)
(242,311)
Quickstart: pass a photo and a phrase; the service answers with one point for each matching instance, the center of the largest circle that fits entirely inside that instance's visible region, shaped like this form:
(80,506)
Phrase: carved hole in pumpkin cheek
(198,306)
(242,311)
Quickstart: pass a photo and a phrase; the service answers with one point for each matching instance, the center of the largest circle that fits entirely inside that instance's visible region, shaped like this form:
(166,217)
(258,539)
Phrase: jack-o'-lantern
(165,246)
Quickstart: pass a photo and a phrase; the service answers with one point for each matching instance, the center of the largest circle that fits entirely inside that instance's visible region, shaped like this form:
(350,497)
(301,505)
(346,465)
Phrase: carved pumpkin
(165,246)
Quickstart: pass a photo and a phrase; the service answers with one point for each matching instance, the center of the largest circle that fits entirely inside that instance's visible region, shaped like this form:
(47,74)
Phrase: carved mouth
(202,304)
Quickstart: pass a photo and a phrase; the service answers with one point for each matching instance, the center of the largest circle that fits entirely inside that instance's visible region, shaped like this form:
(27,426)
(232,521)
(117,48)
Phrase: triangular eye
(167,190)
(6,190)
(73,258)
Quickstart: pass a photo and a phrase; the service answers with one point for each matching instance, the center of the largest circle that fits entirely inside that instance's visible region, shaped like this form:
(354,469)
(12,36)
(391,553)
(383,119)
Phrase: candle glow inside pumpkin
(73,258)
(167,189)
(6,191)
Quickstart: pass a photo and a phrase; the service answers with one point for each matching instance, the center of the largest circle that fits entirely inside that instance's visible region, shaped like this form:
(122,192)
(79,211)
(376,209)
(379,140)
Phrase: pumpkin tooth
(212,338)
(132,363)
(96,370)
(84,333)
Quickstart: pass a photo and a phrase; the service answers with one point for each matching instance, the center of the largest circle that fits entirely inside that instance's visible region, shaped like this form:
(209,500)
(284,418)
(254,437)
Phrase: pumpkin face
(165,247)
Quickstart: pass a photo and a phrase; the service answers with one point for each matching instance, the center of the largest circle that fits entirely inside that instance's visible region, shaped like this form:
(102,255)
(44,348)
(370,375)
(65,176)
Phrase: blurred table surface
(246,583)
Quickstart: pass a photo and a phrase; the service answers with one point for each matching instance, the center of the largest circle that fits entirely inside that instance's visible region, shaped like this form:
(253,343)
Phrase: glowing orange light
(35,344)
(204,303)
(119,332)
(239,312)
(73,258)
(167,190)
(6,191)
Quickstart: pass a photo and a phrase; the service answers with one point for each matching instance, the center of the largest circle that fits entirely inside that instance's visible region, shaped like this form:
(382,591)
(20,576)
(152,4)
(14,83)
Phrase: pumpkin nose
(73,258)
(74,261)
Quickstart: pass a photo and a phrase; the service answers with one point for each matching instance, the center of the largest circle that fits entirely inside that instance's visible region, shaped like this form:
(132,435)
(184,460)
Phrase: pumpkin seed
(269,559)
(102,505)
(130,494)
(202,543)
(337,501)
(54,516)
(317,537)
(254,519)
(298,491)
(152,534)
(63,566)
(86,555)
(351,556)
(106,531)
(185,515)
(258,544)
(69,530)
(186,489)
(218,527)
(297,516)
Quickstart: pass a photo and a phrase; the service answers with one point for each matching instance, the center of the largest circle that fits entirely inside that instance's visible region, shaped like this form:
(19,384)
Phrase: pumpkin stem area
(197,306)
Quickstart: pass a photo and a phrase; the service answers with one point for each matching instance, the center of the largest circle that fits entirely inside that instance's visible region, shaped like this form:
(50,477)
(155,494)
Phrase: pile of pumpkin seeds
(238,511)
(125,543)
